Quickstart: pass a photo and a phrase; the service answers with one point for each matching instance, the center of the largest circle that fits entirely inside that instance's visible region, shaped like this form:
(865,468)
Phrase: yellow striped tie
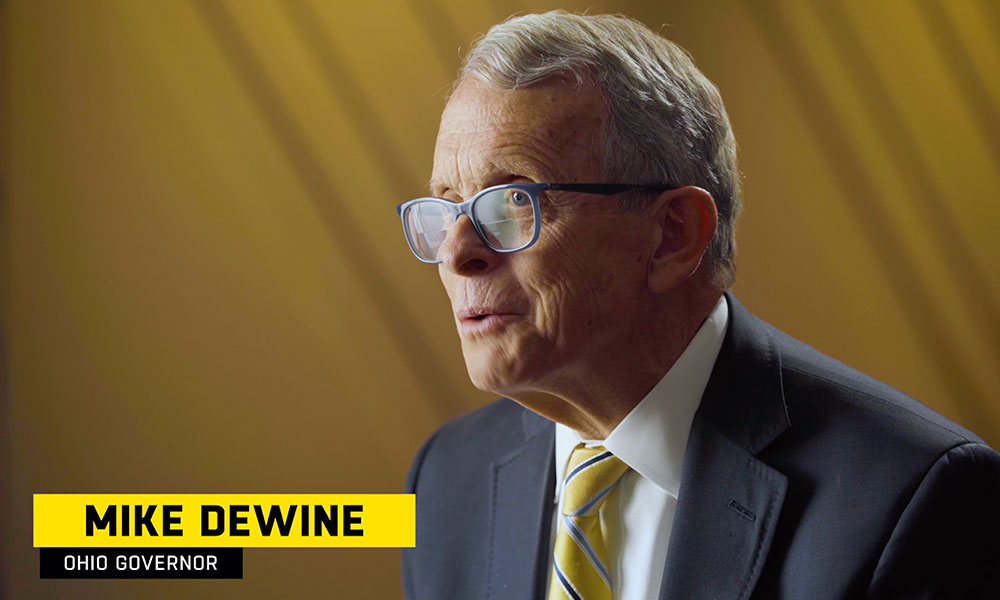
(580,568)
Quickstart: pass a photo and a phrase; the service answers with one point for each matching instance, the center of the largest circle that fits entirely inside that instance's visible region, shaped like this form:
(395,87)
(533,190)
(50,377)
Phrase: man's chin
(490,373)
(489,381)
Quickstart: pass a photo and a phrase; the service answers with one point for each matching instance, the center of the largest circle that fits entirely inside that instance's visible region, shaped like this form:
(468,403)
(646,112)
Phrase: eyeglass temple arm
(608,189)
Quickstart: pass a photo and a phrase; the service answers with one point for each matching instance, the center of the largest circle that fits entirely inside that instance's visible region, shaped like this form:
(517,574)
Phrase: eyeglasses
(506,217)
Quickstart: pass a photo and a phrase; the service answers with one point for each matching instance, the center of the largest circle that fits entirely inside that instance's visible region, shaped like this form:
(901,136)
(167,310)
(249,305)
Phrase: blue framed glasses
(506,218)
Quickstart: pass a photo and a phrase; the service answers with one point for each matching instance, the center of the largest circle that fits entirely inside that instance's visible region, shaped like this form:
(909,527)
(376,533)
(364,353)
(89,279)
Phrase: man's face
(533,320)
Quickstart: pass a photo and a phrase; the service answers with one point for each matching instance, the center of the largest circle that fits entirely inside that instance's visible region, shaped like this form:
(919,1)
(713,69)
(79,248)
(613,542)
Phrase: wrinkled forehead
(545,131)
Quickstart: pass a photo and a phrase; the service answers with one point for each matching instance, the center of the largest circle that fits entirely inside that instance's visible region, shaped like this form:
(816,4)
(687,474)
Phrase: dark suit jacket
(803,479)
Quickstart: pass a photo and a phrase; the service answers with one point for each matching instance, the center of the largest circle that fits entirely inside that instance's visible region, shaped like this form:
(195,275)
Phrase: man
(655,440)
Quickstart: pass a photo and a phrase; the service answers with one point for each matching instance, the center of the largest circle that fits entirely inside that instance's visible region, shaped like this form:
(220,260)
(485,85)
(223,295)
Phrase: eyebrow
(433,185)
(498,171)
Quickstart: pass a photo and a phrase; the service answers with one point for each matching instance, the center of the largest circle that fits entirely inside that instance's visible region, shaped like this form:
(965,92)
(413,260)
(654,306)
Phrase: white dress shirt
(651,439)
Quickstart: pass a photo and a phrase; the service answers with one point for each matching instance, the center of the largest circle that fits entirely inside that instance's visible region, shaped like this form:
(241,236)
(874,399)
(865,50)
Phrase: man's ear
(685,223)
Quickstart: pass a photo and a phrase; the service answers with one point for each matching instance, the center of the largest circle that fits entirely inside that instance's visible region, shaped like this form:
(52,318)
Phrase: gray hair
(666,121)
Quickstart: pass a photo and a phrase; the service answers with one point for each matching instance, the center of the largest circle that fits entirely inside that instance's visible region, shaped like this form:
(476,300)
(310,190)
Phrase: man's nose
(463,253)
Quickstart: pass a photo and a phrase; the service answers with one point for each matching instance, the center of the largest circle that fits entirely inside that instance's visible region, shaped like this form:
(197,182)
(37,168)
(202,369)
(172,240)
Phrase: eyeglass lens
(505,217)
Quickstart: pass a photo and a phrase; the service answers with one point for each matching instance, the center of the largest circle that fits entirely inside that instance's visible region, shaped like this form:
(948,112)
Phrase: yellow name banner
(224,520)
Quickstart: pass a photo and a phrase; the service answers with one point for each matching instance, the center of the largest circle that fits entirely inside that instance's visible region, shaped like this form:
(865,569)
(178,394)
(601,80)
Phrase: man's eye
(519,199)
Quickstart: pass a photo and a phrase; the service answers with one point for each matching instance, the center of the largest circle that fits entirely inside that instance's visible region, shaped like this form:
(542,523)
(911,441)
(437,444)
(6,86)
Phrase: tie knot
(591,475)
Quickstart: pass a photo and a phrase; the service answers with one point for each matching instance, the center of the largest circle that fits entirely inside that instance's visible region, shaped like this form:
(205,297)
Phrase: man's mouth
(478,313)
(482,320)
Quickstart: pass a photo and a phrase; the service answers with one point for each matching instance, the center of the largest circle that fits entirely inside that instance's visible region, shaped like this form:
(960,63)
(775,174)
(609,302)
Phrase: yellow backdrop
(206,289)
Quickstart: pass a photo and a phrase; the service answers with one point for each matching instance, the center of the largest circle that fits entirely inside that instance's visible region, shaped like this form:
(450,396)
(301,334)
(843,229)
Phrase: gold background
(206,289)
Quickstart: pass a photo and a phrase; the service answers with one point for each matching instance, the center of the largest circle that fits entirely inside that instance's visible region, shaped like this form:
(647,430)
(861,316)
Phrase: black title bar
(141,563)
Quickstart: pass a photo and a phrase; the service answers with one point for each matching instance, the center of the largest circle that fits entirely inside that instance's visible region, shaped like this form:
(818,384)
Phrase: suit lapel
(521,514)
(726,516)
(729,501)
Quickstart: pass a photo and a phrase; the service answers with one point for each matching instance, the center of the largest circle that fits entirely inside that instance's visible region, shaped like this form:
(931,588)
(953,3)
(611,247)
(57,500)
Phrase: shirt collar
(652,438)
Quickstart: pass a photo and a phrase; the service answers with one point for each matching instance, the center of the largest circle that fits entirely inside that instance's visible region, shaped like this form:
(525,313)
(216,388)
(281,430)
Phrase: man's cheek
(550,305)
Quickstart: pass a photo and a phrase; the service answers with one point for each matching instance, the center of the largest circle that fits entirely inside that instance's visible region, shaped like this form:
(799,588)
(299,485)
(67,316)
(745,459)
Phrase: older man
(655,440)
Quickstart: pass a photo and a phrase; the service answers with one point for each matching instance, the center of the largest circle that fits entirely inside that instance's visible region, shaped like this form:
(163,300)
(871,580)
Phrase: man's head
(665,120)
(578,99)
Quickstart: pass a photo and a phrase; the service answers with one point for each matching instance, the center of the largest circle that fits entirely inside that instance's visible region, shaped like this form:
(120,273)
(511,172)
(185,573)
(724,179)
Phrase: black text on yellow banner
(224,520)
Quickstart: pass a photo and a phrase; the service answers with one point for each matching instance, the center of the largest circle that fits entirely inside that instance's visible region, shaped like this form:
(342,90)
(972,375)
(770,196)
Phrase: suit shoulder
(482,434)
(813,380)
(499,419)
